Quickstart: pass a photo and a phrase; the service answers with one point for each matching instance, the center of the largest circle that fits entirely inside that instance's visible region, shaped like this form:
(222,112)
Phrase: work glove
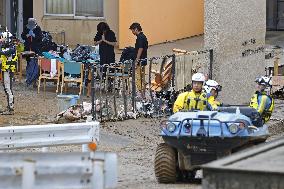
(31,33)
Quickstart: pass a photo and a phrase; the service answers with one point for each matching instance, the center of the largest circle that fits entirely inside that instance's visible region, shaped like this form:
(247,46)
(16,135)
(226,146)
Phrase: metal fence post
(110,171)
(173,70)
(93,92)
(150,78)
(98,175)
(28,177)
(133,87)
(211,64)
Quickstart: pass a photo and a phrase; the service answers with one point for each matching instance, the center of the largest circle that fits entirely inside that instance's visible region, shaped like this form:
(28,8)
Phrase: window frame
(74,13)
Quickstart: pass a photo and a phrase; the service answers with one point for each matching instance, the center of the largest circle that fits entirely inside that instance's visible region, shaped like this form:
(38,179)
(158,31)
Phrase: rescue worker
(196,99)
(212,88)
(261,101)
(8,59)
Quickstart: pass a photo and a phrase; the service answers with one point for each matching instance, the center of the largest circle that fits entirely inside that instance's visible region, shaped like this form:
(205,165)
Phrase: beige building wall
(161,20)
(77,31)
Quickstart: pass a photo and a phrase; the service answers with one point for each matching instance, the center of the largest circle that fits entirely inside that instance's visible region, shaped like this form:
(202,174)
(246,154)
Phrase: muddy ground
(134,141)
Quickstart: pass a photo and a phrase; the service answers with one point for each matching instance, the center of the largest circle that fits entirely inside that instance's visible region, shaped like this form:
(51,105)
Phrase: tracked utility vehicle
(195,138)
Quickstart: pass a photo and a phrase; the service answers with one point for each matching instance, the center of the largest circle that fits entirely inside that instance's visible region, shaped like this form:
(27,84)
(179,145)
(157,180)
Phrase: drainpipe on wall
(20,19)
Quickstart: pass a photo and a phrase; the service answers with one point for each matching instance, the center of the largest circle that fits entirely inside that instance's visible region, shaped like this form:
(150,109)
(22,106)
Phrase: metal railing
(173,70)
(97,170)
(37,136)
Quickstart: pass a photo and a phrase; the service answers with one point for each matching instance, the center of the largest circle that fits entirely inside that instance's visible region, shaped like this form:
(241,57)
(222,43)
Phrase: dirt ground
(134,141)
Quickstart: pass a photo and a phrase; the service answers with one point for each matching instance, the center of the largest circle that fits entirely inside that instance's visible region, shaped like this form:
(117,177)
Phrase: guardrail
(36,136)
(95,170)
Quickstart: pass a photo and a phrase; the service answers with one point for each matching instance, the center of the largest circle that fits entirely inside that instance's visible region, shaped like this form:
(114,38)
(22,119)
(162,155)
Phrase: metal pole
(276,63)
(124,66)
(124,98)
(101,80)
(114,94)
(133,87)
(28,178)
(93,92)
(173,70)
(211,64)
(150,84)
(98,175)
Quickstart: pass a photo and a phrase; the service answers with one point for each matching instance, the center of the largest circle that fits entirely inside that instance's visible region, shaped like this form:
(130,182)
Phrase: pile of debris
(115,109)
(279,94)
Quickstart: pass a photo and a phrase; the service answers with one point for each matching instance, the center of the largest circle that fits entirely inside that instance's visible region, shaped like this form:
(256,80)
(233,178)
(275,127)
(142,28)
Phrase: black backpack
(128,53)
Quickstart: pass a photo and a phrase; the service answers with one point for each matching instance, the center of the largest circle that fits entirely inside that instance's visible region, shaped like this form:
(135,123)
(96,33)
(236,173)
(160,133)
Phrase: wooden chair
(45,72)
(164,76)
(69,70)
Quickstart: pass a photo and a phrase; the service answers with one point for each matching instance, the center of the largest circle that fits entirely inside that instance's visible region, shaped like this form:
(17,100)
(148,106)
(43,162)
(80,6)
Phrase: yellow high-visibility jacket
(264,104)
(9,59)
(189,101)
(213,103)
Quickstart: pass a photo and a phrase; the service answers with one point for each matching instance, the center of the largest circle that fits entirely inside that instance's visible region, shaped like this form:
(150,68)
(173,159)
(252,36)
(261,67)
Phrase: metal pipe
(173,70)
(150,85)
(28,178)
(211,64)
(93,92)
(133,86)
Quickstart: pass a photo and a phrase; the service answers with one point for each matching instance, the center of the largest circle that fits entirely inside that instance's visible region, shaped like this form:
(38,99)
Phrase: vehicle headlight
(233,128)
(171,127)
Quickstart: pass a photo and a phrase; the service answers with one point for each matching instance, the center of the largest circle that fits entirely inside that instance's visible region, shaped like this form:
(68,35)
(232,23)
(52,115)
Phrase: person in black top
(32,35)
(106,40)
(141,47)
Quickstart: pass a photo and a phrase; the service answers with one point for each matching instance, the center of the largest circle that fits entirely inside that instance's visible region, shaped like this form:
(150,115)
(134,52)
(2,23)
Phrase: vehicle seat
(247,111)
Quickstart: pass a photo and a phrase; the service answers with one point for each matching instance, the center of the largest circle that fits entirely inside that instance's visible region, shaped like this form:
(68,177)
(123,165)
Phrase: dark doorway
(280,16)
(275,14)
(271,14)
(27,11)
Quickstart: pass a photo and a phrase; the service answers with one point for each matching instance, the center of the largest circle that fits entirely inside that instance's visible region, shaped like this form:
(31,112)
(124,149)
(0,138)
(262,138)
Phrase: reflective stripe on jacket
(9,61)
(264,104)
(189,101)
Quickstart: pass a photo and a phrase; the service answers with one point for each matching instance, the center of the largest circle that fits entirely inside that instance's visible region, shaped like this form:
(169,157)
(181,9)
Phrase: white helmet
(263,80)
(211,84)
(198,77)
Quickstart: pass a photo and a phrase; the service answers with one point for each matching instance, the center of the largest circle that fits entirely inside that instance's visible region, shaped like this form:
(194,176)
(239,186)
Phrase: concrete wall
(235,30)
(161,20)
(80,31)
